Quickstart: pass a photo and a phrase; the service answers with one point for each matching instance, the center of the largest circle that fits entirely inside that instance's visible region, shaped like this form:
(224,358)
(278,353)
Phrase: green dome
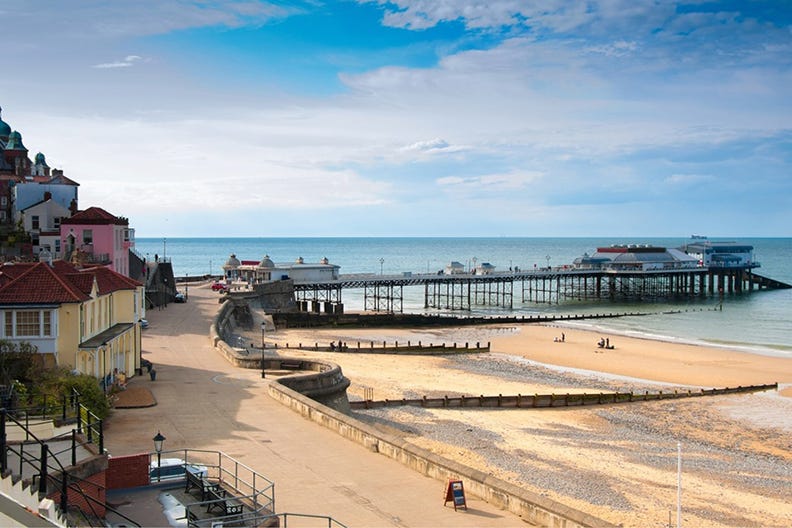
(41,160)
(5,129)
(15,141)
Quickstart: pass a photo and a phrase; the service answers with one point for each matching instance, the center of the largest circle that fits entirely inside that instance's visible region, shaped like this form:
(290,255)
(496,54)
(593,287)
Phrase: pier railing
(535,401)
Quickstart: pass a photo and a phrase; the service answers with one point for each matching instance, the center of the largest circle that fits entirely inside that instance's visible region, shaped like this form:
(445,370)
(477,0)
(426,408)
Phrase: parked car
(144,323)
(179,298)
(173,468)
(219,286)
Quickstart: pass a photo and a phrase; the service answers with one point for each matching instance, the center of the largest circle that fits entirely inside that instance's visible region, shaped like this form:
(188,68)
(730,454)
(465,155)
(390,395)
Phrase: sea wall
(531,507)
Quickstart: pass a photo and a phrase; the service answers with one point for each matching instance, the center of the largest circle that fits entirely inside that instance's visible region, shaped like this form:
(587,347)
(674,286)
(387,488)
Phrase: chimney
(47,196)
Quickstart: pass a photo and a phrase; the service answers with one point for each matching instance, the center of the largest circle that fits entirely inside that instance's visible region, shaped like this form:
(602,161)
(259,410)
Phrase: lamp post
(263,328)
(163,249)
(474,264)
(158,441)
(548,261)
(382,261)
(186,288)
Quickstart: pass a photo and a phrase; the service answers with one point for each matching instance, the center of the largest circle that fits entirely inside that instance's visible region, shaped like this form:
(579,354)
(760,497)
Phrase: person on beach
(563,337)
(332,346)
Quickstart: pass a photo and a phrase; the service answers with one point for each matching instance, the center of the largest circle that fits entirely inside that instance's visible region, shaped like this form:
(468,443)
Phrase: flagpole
(679,484)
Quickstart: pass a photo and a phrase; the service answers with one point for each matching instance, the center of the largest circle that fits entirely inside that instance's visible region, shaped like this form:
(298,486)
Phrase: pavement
(200,401)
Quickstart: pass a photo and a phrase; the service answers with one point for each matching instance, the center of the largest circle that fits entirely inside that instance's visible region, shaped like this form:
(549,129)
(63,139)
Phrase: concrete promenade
(203,402)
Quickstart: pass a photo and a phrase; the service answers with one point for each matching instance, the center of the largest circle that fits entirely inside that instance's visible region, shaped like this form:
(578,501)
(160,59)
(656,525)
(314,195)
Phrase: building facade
(96,237)
(87,320)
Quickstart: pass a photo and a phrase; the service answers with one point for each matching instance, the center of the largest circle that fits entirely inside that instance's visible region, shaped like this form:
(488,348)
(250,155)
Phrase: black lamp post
(263,329)
(158,441)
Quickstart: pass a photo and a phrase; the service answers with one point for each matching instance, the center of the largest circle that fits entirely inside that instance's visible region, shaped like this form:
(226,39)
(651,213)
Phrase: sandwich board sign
(455,492)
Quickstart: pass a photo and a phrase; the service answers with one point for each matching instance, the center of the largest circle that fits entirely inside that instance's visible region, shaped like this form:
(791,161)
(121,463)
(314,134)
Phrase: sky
(623,118)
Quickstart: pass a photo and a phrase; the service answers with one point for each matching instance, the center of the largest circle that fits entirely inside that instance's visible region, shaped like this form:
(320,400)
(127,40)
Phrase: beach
(617,462)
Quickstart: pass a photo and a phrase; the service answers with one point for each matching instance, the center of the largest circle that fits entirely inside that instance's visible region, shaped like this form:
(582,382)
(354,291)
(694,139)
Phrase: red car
(219,286)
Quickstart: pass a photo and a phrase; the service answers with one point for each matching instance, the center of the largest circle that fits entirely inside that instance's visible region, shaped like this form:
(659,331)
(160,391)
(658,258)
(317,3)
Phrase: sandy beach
(618,462)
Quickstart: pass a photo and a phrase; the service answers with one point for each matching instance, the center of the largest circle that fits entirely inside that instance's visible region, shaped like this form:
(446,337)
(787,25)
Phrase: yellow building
(86,320)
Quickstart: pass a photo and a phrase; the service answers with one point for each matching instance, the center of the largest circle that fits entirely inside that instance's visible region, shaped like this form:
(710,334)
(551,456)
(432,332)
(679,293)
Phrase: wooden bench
(292,365)
(227,506)
(196,481)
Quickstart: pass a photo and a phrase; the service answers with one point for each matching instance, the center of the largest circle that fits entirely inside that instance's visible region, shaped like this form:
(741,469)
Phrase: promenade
(203,402)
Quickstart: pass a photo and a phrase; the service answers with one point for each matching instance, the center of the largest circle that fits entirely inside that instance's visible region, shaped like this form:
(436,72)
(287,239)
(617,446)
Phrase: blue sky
(412,117)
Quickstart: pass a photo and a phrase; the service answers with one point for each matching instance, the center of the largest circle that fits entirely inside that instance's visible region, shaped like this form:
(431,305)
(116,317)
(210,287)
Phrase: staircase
(20,506)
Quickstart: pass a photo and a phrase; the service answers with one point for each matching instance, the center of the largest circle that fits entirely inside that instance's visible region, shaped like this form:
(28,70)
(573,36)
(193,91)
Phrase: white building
(636,257)
(266,270)
(454,268)
(722,254)
(42,221)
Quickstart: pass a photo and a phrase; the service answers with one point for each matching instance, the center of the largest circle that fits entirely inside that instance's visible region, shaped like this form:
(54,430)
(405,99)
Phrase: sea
(758,321)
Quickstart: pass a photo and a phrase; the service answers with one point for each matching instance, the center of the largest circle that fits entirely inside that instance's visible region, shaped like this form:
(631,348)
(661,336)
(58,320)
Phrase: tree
(18,361)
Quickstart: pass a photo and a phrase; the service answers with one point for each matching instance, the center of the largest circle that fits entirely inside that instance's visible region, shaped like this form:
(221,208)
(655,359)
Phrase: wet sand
(618,462)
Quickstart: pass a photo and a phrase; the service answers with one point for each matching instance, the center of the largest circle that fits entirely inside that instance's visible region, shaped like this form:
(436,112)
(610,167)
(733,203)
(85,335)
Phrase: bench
(293,365)
(195,480)
(227,506)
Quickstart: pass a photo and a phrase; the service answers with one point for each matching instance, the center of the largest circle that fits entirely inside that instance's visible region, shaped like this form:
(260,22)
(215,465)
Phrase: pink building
(96,237)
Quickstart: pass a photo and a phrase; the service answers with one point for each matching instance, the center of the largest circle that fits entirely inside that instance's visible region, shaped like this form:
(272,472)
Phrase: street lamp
(474,264)
(263,328)
(186,288)
(548,261)
(382,261)
(158,440)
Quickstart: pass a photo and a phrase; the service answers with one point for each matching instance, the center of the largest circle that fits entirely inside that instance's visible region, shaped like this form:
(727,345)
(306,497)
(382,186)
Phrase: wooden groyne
(383,320)
(383,347)
(544,401)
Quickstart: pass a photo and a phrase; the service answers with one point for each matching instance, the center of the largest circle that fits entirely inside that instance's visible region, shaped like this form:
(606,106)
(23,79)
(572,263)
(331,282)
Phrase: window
(56,222)
(34,222)
(3,201)
(28,323)
(46,323)
(88,236)
(57,245)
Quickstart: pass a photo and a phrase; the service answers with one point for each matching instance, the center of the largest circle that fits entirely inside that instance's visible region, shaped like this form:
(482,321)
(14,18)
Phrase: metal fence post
(43,469)
(3,453)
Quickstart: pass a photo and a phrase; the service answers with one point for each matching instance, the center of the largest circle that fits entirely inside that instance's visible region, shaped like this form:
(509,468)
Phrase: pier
(549,286)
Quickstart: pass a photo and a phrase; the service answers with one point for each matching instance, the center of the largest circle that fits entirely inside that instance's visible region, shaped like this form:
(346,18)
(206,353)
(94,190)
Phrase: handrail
(44,475)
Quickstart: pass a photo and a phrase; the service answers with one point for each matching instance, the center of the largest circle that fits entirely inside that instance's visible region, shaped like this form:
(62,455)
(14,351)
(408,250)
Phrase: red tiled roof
(110,281)
(61,282)
(94,216)
(38,285)
(82,282)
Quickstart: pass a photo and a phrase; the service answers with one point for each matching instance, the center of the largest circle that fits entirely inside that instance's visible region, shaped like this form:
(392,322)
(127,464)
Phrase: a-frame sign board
(455,492)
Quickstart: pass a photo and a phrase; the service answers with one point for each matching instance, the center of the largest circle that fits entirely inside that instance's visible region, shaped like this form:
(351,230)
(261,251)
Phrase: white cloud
(127,62)
(684,180)
(490,182)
